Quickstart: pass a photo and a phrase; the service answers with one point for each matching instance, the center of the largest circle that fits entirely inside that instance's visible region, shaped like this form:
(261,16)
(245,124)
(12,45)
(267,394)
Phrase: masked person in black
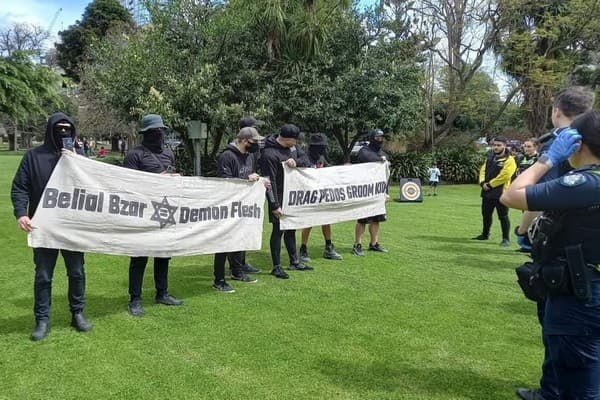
(236,162)
(316,157)
(150,156)
(494,178)
(27,188)
(371,153)
(280,149)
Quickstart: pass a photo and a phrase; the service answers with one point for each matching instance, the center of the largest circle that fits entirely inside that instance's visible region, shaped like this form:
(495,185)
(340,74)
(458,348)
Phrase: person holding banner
(316,158)
(370,153)
(236,161)
(150,156)
(281,149)
(28,185)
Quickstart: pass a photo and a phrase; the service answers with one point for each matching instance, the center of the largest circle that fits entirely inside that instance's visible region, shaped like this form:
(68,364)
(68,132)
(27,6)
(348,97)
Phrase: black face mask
(60,133)
(315,152)
(375,145)
(252,147)
(153,140)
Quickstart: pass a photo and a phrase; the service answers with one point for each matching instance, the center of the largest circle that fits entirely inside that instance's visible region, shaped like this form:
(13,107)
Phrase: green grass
(439,317)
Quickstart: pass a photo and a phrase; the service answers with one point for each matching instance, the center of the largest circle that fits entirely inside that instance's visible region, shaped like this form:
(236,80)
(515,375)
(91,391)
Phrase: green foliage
(457,164)
(99,17)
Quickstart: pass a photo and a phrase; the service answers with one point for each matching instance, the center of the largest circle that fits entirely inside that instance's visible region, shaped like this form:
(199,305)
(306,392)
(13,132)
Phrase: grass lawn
(438,317)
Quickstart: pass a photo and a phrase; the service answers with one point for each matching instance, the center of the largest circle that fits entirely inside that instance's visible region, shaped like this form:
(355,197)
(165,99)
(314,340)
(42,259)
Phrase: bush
(114,160)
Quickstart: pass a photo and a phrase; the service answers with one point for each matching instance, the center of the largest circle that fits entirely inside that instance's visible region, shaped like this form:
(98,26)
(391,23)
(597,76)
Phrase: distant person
(434,179)
(150,156)
(316,158)
(123,147)
(494,178)
(371,153)
(86,147)
(27,188)
(529,155)
(102,152)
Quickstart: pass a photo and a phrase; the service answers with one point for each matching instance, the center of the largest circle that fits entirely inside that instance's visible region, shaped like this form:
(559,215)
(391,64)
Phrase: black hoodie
(232,163)
(270,164)
(35,169)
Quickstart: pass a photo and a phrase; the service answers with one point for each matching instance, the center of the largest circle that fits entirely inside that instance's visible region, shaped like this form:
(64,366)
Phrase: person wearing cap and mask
(568,105)
(236,162)
(316,158)
(27,188)
(568,251)
(251,122)
(371,153)
(280,149)
(150,156)
(495,176)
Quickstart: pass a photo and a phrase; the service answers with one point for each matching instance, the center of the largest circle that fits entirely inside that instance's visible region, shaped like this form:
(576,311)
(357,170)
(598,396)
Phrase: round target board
(410,190)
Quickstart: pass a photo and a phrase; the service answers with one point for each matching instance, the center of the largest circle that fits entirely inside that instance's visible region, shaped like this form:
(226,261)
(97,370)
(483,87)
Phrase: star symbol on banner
(164,213)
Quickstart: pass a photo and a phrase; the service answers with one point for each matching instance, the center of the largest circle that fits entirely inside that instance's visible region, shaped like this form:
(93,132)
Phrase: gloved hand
(565,144)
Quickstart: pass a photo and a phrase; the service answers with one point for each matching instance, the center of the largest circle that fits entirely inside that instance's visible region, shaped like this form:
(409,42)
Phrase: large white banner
(96,207)
(320,196)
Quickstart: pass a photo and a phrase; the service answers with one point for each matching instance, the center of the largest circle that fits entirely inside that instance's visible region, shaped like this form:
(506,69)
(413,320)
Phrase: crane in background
(48,31)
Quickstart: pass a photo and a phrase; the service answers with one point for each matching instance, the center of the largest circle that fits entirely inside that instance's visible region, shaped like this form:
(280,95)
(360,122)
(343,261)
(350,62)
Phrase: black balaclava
(315,152)
(153,140)
(59,133)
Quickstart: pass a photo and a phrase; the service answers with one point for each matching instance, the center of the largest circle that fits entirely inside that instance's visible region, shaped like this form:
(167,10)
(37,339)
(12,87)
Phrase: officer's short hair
(574,100)
(588,126)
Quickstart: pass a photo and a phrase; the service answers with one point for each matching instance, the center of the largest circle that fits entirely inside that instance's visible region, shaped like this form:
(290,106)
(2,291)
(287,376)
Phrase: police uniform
(571,326)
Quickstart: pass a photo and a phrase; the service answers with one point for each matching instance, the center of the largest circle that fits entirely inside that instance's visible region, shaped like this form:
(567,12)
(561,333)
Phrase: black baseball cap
(250,122)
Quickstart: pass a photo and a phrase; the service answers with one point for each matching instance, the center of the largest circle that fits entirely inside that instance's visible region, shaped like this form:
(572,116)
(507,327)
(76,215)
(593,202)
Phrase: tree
(27,91)
(22,37)
(541,44)
(99,17)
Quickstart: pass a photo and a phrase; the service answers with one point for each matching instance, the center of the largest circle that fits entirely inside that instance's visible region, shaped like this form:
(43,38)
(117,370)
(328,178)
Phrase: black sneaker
(278,272)
(357,250)
(304,256)
(223,287)
(168,300)
(505,243)
(242,277)
(481,237)
(377,247)
(300,267)
(249,269)
(135,308)
(42,328)
(330,253)
(529,394)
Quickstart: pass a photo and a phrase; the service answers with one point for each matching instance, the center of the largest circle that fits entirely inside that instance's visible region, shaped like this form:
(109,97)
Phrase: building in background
(137,10)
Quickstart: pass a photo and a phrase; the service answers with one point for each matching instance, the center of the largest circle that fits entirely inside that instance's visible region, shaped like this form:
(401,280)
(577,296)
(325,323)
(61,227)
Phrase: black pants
(289,238)
(487,209)
(45,261)
(137,265)
(235,262)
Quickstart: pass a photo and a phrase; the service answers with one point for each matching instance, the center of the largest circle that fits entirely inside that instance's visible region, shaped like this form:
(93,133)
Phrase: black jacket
(232,163)
(367,154)
(142,159)
(35,170)
(270,164)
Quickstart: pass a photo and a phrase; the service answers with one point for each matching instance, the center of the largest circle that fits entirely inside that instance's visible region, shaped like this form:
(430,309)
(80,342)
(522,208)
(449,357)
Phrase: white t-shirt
(434,174)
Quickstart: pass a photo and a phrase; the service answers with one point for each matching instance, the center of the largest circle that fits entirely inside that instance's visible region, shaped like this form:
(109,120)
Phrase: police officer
(281,149)
(494,177)
(529,155)
(236,161)
(316,159)
(373,152)
(29,183)
(150,156)
(570,254)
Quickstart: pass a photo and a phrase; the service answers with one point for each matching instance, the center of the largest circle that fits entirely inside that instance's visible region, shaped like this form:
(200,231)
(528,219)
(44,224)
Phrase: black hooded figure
(150,156)
(27,188)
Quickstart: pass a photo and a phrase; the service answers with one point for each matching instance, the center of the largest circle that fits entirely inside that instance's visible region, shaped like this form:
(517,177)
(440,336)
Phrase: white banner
(320,196)
(95,207)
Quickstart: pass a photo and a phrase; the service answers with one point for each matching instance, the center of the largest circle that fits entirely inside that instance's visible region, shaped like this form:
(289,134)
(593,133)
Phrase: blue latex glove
(565,144)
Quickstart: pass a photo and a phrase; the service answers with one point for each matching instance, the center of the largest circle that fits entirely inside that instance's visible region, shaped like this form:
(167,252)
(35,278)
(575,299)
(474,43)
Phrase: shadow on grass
(402,378)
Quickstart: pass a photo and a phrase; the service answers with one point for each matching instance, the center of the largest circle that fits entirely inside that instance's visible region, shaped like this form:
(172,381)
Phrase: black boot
(41,330)
(80,323)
